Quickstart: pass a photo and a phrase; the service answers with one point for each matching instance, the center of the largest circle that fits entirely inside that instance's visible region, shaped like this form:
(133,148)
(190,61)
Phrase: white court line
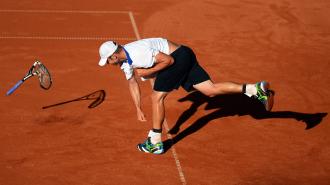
(175,156)
(43,37)
(64,38)
(174,153)
(63,11)
(136,31)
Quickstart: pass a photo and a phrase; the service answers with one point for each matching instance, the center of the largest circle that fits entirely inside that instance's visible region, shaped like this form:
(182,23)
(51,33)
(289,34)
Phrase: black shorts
(185,72)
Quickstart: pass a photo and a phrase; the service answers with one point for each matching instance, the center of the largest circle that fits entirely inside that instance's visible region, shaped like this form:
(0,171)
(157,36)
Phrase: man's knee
(207,88)
(209,93)
(158,96)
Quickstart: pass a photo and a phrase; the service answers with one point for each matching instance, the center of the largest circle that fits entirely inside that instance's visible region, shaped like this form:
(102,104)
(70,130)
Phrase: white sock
(155,137)
(250,90)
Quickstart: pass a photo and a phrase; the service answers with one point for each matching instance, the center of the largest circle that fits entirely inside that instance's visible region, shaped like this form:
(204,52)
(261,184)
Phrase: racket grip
(14,88)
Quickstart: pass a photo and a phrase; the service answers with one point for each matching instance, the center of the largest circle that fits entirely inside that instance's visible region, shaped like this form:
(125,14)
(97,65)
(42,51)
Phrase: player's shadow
(96,97)
(230,105)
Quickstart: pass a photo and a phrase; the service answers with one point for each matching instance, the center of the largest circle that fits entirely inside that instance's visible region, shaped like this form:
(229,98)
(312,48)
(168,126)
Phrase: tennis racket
(37,69)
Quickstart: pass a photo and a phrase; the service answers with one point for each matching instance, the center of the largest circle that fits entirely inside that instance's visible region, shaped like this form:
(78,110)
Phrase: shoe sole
(141,149)
(270,102)
(270,98)
(264,86)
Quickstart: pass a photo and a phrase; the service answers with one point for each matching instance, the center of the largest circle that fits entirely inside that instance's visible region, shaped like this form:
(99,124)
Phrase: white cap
(106,50)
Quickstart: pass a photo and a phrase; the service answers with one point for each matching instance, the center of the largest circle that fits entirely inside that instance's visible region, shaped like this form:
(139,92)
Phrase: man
(168,66)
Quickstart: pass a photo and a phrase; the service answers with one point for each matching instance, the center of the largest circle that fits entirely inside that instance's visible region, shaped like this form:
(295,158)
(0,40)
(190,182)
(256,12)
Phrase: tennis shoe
(148,147)
(264,95)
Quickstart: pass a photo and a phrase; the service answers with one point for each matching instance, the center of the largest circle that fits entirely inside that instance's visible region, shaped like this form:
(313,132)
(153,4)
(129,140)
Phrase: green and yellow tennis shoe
(148,147)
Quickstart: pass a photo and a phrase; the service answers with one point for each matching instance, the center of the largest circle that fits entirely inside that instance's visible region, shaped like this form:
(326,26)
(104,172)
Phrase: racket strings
(43,75)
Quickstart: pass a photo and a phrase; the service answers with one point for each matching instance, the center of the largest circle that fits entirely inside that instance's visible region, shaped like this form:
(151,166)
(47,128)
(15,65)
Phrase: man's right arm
(136,96)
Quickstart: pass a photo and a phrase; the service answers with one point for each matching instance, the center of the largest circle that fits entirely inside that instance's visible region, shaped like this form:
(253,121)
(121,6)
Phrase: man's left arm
(162,61)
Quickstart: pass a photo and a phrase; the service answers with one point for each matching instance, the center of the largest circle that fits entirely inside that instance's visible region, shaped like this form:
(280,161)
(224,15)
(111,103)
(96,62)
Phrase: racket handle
(14,88)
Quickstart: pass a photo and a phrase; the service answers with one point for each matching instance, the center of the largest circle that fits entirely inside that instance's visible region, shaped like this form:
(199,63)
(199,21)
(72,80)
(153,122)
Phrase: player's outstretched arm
(136,96)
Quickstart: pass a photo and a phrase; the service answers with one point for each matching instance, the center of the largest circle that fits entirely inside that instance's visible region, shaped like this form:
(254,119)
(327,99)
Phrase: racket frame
(28,75)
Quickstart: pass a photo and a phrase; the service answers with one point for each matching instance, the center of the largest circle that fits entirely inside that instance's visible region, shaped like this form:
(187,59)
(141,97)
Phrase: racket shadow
(96,97)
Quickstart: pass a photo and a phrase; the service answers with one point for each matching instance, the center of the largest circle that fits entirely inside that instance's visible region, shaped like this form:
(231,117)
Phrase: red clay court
(225,140)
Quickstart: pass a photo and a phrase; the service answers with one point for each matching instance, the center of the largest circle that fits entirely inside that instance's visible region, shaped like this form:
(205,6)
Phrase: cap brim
(103,61)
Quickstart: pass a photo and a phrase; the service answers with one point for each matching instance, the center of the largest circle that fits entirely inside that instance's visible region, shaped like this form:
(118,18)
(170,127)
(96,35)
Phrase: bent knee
(207,88)
(209,93)
(158,96)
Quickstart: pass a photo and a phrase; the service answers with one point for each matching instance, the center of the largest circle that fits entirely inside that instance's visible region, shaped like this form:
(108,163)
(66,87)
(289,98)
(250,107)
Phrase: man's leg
(154,142)
(158,109)
(210,89)
(258,90)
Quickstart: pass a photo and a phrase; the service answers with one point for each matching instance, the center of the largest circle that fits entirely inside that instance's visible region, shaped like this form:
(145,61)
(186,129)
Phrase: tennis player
(168,66)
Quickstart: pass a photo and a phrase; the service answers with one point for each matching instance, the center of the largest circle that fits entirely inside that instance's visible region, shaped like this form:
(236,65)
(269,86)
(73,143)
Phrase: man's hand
(140,115)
